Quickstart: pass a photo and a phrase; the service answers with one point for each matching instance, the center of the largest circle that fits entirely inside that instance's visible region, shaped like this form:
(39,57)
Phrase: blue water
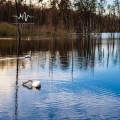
(75,84)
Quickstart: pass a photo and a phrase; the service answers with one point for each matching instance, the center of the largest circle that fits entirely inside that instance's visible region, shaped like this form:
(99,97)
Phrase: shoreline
(71,36)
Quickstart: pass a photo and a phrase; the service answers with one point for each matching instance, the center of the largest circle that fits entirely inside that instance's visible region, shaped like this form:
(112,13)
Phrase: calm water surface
(80,79)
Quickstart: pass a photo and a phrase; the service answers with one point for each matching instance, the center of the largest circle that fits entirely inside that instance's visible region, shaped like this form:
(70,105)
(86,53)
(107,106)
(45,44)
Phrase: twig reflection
(30,87)
(16,89)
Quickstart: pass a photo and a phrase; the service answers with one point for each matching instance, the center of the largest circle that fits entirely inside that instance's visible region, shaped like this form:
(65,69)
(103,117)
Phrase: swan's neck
(27,82)
(30,53)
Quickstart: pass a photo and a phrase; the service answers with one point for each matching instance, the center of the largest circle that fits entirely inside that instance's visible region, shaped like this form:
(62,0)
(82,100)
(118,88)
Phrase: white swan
(34,84)
(28,56)
(29,38)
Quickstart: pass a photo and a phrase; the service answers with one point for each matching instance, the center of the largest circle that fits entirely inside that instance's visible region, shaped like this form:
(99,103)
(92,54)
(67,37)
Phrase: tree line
(82,16)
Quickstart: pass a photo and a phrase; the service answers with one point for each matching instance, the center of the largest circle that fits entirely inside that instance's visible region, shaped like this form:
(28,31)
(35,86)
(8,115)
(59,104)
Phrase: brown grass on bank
(9,30)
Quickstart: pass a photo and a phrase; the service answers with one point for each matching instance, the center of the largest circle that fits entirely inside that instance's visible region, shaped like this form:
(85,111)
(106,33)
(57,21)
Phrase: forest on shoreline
(60,17)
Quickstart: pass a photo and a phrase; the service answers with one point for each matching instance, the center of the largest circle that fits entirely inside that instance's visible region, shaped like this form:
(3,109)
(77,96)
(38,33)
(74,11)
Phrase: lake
(80,79)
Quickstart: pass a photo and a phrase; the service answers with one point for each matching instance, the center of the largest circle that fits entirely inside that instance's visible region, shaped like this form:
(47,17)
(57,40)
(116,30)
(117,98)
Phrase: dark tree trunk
(18,31)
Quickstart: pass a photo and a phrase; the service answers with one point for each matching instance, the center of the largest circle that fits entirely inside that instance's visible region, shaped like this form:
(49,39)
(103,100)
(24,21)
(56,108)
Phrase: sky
(47,1)
(108,1)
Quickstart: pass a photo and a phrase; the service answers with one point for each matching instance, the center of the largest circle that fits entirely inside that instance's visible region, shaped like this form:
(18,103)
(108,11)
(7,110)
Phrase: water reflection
(16,89)
(83,50)
(79,79)
(30,88)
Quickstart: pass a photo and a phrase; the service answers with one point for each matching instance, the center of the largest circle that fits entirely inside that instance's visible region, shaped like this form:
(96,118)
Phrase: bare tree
(101,9)
(88,7)
(18,30)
